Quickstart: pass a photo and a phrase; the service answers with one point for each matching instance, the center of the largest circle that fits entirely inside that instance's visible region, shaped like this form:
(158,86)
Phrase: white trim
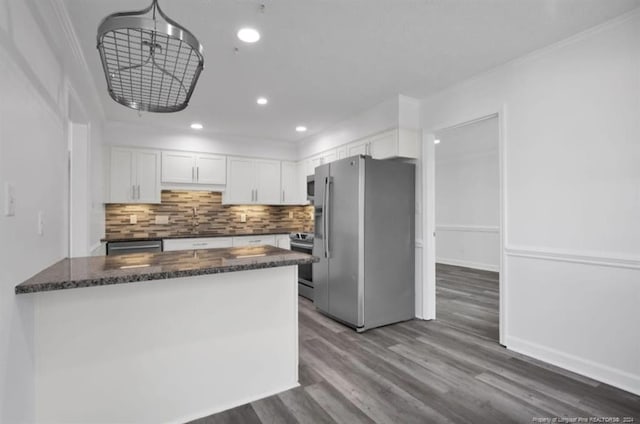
(244,401)
(469,228)
(600,372)
(72,42)
(428,188)
(574,256)
(503,313)
(468,264)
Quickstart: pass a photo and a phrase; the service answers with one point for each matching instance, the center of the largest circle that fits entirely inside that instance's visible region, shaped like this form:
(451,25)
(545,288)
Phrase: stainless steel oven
(303,242)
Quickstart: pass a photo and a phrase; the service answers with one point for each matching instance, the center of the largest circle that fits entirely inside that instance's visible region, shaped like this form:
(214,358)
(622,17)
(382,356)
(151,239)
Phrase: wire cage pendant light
(151,63)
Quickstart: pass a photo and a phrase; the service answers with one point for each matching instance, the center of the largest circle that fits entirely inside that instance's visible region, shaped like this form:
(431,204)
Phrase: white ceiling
(321,61)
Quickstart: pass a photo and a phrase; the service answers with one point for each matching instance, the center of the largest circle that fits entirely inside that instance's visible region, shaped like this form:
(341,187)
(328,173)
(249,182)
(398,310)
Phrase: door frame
(428,195)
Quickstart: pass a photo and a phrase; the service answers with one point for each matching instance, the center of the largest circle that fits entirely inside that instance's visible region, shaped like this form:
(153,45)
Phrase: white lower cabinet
(254,240)
(196,243)
(283,241)
(279,240)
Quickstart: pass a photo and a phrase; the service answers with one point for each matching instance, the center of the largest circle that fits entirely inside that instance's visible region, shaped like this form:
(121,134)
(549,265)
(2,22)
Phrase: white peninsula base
(165,351)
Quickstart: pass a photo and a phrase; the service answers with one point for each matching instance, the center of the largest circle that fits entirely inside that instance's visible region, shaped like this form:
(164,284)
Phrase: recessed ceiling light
(196,126)
(262,101)
(301,128)
(436,141)
(248,35)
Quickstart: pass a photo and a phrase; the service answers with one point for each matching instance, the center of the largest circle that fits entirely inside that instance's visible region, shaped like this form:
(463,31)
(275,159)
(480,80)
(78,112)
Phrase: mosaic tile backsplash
(210,217)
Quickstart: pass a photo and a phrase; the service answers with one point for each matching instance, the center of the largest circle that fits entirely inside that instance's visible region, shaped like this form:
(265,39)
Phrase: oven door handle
(302,245)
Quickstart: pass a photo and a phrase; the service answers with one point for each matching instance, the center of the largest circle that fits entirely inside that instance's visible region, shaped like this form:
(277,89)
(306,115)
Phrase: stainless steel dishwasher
(124,247)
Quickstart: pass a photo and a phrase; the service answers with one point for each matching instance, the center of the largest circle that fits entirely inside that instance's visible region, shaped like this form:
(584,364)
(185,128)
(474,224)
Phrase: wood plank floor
(451,370)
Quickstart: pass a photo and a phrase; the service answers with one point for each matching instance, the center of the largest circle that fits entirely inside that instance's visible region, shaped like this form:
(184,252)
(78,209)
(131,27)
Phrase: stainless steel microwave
(310,187)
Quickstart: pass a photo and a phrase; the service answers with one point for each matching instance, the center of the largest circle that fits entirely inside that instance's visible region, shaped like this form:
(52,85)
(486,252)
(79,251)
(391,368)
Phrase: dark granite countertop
(197,235)
(106,270)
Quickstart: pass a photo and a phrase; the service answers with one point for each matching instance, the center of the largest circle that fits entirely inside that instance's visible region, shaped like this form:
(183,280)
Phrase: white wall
(373,120)
(34,80)
(572,196)
(468,196)
(146,136)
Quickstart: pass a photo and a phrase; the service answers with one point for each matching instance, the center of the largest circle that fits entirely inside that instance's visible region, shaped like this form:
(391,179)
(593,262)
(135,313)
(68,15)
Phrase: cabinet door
(196,243)
(283,242)
(254,241)
(147,177)
(267,182)
(384,146)
(358,148)
(329,156)
(178,167)
(240,181)
(122,188)
(211,169)
(341,152)
(314,163)
(291,183)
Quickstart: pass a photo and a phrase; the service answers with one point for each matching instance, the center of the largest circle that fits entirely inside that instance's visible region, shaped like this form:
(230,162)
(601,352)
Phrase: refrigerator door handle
(324,218)
(327,217)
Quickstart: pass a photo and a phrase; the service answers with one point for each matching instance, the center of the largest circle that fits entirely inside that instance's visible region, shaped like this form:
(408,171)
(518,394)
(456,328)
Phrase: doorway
(467,226)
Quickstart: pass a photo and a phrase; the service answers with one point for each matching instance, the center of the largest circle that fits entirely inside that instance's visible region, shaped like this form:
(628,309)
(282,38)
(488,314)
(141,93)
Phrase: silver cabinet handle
(193,174)
(150,246)
(138,191)
(133,192)
(283,195)
(197,173)
(199,244)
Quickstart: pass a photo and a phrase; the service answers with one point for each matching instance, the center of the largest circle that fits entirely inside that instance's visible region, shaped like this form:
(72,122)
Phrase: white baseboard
(615,377)
(240,402)
(468,264)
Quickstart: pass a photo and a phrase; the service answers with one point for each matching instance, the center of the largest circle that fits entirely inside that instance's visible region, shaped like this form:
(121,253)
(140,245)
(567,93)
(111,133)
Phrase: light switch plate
(133,219)
(9,199)
(243,217)
(290,214)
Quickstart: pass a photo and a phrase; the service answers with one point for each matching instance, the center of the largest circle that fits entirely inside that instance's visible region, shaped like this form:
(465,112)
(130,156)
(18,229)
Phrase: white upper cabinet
(360,147)
(252,181)
(267,182)
(240,181)
(293,190)
(211,169)
(394,143)
(403,143)
(178,167)
(135,176)
(193,168)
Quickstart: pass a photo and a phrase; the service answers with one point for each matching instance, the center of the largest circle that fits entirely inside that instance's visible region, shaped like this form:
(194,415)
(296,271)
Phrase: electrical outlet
(133,219)
(9,199)
(290,214)
(162,219)
(40,223)
(243,217)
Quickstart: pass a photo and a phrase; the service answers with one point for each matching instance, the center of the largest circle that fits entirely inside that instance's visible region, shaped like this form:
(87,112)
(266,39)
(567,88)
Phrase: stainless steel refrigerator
(365,239)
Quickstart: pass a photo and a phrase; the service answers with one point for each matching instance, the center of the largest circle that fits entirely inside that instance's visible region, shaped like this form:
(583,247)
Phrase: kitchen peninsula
(164,337)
